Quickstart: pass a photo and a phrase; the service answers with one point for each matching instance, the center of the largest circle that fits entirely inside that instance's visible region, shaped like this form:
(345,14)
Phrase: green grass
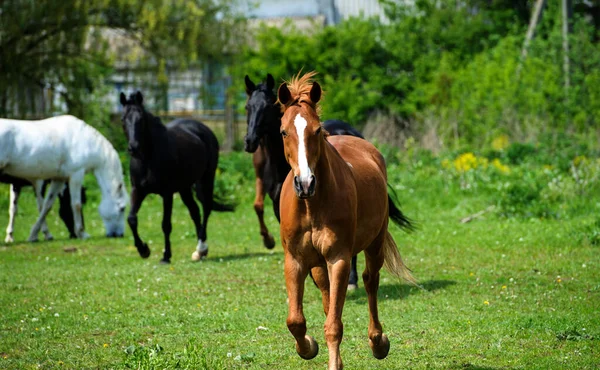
(500,292)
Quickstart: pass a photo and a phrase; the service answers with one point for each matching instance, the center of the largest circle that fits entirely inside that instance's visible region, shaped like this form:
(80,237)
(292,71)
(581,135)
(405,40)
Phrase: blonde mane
(300,87)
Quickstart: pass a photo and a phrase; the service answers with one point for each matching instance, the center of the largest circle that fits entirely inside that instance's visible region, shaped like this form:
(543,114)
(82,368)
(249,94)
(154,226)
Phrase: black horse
(264,140)
(165,159)
(65,211)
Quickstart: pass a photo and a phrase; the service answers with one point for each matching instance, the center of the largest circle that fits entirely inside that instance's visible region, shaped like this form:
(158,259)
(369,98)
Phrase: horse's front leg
(137,197)
(295,275)
(166,226)
(339,270)
(12,212)
(55,188)
(75,184)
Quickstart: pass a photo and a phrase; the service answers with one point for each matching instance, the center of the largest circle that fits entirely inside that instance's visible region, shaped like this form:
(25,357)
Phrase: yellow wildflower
(503,287)
(486,303)
(105,345)
(499,166)
(501,142)
(465,162)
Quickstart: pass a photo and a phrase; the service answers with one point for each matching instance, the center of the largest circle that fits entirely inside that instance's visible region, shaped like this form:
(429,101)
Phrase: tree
(65,45)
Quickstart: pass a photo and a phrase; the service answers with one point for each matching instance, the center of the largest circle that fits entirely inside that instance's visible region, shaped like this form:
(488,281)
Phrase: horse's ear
(123,99)
(250,86)
(315,92)
(283,94)
(270,82)
(139,98)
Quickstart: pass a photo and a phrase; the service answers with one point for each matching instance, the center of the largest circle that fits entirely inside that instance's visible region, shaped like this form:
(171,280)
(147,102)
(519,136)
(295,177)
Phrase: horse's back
(196,144)
(359,153)
(339,127)
(50,148)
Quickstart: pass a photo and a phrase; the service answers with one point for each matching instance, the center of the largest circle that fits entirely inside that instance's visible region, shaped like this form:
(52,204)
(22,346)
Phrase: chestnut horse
(334,204)
(263,114)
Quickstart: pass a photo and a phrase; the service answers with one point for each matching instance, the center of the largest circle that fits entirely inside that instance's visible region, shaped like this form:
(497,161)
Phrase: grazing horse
(62,149)
(264,141)
(168,159)
(65,211)
(334,204)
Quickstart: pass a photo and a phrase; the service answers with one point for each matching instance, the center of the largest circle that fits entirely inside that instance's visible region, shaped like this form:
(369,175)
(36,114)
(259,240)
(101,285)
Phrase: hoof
(269,242)
(9,239)
(165,262)
(32,239)
(197,256)
(49,237)
(352,286)
(144,251)
(381,349)
(312,351)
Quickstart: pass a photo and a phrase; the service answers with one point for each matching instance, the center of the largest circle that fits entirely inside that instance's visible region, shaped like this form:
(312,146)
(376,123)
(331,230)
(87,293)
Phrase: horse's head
(135,124)
(261,111)
(302,133)
(112,210)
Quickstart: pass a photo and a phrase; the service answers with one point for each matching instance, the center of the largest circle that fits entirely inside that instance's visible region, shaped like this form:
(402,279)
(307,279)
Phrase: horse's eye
(318,131)
(283,133)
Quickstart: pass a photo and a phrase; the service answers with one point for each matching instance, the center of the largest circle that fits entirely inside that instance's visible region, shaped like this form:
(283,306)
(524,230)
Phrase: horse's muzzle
(305,189)
(250,144)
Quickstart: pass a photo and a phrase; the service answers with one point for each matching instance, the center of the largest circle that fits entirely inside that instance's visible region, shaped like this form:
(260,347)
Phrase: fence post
(229,141)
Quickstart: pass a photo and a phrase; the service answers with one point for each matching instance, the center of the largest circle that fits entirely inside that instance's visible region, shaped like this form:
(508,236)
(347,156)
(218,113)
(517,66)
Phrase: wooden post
(229,118)
(535,18)
(566,15)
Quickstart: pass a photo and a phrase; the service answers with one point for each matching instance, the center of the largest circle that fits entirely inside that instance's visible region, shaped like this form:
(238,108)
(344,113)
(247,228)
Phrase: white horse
(63,149)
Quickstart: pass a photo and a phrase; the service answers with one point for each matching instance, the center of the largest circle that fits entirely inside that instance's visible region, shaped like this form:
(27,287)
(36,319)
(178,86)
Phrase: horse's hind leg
(65,212)
(55,188)
(12,212)
(259,208)
(258,161)
(204,192)
(166,226)
(379,343)
(75,184)
(39,188)
(188,199)
(295,275)
(353,281)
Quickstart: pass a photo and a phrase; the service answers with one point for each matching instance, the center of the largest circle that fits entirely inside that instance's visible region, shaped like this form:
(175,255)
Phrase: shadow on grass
(398,291)
(469,366)
(243,256)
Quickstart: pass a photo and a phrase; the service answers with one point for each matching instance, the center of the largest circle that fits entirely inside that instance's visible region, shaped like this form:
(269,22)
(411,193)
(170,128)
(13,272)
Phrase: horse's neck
(326,170)
(109,174)
(274,146)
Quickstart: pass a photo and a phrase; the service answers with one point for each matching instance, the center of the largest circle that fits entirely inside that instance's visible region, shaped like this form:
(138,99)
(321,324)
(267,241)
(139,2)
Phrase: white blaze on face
(305,172)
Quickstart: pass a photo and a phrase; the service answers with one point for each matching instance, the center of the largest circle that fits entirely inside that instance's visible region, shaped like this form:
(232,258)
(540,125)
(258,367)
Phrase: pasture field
(517,287)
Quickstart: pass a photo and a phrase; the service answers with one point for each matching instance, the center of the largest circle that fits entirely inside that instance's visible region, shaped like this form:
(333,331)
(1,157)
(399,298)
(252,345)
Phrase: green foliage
(458,62)
(70,47)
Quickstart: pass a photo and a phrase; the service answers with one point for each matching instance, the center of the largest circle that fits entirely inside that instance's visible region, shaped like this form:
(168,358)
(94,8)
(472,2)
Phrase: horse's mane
(300,87)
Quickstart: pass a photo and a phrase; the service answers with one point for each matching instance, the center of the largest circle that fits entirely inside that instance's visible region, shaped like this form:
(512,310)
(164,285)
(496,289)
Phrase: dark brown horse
(264,141)
(65,212)
(165,159)
(334,204)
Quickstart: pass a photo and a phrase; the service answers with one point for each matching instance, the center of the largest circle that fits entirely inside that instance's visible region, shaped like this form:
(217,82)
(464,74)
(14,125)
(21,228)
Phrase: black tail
(396,214)
(222,207)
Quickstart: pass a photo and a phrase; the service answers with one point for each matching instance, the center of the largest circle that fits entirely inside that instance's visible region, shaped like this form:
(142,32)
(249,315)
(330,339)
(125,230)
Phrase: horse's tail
(223,207)
(393,262)
(396,214)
